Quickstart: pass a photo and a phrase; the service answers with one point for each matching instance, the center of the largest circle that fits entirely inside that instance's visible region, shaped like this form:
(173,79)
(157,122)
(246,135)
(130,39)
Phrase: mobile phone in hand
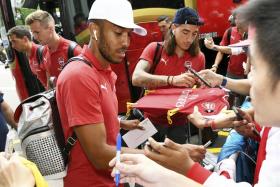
(149,145)
(190,69)
(237,113)
(239,117)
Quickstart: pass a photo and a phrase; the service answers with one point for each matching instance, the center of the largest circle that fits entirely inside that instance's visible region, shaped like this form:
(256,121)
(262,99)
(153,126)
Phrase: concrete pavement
(7,86)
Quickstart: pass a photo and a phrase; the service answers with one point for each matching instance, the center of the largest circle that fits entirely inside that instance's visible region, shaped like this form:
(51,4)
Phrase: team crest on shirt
(209,107)
(61,63)
(104,87)
(35,64)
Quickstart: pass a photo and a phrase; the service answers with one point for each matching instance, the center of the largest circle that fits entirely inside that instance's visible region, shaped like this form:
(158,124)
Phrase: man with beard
(86,95)
(180,45)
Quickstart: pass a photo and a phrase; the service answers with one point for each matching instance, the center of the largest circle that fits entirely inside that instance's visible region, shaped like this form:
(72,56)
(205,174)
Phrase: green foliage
(22,13)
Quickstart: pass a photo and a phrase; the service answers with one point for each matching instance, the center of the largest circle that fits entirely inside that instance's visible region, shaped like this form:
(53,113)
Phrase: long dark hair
(170,45)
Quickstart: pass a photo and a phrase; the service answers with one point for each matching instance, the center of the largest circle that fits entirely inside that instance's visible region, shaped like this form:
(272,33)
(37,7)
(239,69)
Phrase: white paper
(136,137)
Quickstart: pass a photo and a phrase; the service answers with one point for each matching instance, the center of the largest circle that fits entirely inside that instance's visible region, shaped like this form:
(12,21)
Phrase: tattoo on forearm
(155,83)
(145,79)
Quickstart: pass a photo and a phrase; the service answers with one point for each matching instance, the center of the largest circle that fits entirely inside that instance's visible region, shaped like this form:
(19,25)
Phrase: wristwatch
(224,82)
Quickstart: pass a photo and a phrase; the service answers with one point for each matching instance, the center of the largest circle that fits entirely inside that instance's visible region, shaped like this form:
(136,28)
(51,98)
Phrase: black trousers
(176,133)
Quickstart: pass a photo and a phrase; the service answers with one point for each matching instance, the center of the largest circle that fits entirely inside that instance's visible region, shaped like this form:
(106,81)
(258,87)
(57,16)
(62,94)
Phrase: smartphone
(237,113)
(149,145)
(188,67)
(239,117)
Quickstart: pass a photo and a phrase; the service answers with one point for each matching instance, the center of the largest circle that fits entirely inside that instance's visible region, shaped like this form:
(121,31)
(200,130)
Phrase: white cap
(118,12)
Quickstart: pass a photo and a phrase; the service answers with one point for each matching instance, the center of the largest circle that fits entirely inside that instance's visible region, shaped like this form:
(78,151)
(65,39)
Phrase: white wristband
(236,50)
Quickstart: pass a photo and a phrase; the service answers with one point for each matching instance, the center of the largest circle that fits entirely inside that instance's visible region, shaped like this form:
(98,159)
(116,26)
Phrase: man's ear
(26,39)
(173,27)
(51,28)
(92,27)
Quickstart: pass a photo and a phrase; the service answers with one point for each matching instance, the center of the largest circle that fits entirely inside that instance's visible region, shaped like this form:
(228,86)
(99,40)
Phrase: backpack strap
(229,34)
(77,58)
(71,140)
(59,130)
(71,49)
(157,56)
(127,73)
(69,144)
(156,60)
(39,54)
(245,36)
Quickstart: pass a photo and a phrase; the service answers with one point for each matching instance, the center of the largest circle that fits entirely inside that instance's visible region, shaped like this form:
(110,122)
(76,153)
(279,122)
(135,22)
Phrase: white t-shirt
(269,175)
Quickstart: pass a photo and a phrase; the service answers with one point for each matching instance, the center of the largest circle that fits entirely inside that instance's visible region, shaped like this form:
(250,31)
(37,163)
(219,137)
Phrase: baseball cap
(187,16)
(118,12)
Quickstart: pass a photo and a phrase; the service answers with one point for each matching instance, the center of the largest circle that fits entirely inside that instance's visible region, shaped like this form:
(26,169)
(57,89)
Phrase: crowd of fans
(168,160)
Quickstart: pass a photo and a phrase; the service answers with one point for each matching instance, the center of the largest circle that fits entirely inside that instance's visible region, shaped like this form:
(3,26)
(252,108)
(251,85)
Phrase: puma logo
(104,87)
(164,61)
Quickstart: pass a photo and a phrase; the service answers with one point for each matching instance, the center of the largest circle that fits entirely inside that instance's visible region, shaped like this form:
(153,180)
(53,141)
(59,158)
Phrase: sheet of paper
(136,137)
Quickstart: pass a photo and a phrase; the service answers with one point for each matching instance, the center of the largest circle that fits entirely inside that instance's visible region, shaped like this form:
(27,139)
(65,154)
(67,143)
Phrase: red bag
(210,101)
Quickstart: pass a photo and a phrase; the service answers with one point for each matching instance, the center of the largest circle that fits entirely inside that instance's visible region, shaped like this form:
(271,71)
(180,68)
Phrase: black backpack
(70,52)
(135,91)
(229,35)
(41,133)
(244,37)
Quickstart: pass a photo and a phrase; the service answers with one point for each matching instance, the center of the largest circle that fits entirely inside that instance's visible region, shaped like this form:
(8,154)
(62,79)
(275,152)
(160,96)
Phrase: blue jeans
(3,132)
(245,168)
(234,143)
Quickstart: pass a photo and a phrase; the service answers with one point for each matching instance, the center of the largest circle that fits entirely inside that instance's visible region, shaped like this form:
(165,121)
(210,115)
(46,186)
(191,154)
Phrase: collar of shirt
(93,60)
(33,50)
(61,42)
(176,58)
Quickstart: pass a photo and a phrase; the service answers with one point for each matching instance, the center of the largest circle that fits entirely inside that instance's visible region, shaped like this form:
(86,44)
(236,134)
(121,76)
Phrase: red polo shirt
(86,95)
(35,67)
(59,57)
(171,66)
(235,61)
